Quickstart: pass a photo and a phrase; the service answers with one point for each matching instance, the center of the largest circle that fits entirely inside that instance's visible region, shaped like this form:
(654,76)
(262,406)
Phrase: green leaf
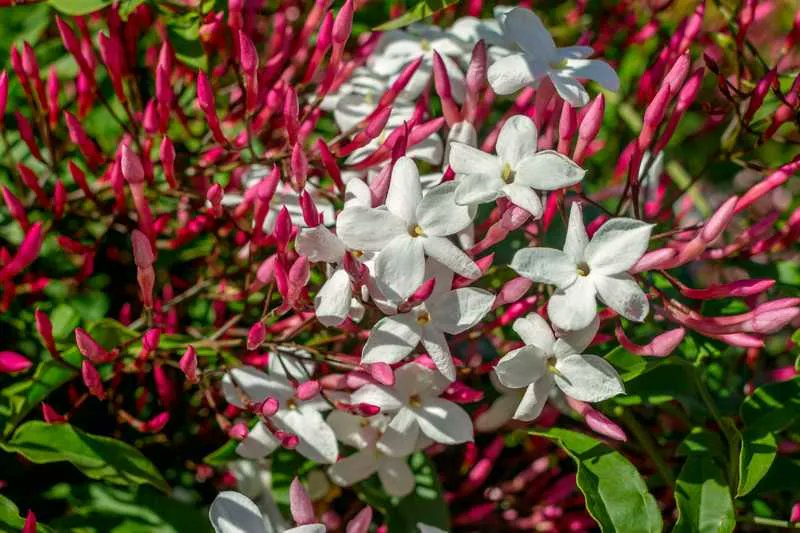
(79,7)
(184,35)
(424,505)
(772,407)
(9,514)
(129,6)
(420,11)
(96,456)
(222,455)
(110,333)
(703,499)
(616,495)
(701,441)
(630,365)
(756,456)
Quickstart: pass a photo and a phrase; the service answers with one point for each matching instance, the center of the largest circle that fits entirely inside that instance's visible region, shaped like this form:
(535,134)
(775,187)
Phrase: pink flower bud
(142,251)
(299,503)
(661,346)
(307,390)
(256,335)
(512,290)
(343,24)
(759,93)
(367,409)
(738,289)
(59,199)
(26,132)
(45,329)
(771,182)
(15,208)
(31,180)
(167,155)
(269,407)
(50,415)
(157,423)
(677,74)
(214,196)
(3,93)
(27,253)
(248,55)
(288,441)
(12,362)
(238,431)
(291,113)
(589,127)
(205,94)
(794,516)
(330,164)
(360,522)
(299,166)
(151,339)
(715,225)
(131,165)
(188,364)
(382,373)
(30,523)
(92,380)
(91,349)
(311,215)
(283,227)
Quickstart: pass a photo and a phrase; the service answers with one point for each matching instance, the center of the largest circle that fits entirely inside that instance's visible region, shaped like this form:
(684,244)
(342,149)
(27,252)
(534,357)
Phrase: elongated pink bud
(50,415)
(661,346)
(15,208)
(311,215)
(30,523)
(91,349)
(59,199)
(157,423)
(760,93)
(769,322)
(248,55)
(360,522)
(654,260)
(291,112)
(771,182)
(26,254)
(307,390)
(299,166)
(73,46)
(256,335)
(653,117)
(601,424)
(166,153)
(12,363)
(329,162)
(188,364)
(80,179)
(142,251)
(131,165)
(300,504)
(739,289)
(677,74)
(715,225)
(283,228)
(45,329)
(26,133)
(3,94)
(52,96)
(382,373)
(238,431)
(151,339)
(92,380)
(422,293)
(343,24)
(589,127)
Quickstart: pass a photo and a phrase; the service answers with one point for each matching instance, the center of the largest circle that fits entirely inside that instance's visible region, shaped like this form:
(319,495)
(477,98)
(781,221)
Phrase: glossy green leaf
(772,407)
(701,441)
(703,498)
(630,365)
(96,456)
(425,504)
(616,495)
(420,11)
(79,7)
(184,35)
(756,456)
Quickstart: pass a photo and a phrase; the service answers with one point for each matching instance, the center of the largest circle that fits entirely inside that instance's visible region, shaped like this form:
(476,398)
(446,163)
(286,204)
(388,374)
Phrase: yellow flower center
(423,318)
(425,44)
(416,231)
(582,269)
(558,65)
(415,401)
(507,173)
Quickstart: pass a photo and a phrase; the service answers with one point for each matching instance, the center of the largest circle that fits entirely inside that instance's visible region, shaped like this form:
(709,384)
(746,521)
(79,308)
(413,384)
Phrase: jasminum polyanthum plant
(344,266)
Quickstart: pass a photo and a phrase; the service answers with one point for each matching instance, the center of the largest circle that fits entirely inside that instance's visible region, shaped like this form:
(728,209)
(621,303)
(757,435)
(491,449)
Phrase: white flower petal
(353,468)
(451,256)
(593,69)
(465,159)
(396,476)
(391,339)
(510,74)
(444,422)
(516,140)
(348,428)
(319,244)
(525,28)
(501,411)
(622,294)
(457,311)
(436,345)
(364,228)
(545,265)
(521,367)
(332,303)
(357,192)
(232,512)
(534,399)
(308,528)
(587,378)
(400,436)
(575,307)
(439,215)
(569,88)
(618,245)
(548,171)
(386,398)
(524,197)
(535,331)
(577,239)
(405,190)
(475,189)
(254,385)
(572,342)
(400,266)
(414,379)
(575,52)
(317,441)
(430,150)
(259,443)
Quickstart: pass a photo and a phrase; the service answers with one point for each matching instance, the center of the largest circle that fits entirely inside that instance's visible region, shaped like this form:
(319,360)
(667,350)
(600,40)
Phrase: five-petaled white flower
(515,172)
(233,512)
(363,434)
(302,418)
(406,230)
(586,270)
(334,301)
(356,98)
(541,58)
(416,405)
(446,310)
(546,361)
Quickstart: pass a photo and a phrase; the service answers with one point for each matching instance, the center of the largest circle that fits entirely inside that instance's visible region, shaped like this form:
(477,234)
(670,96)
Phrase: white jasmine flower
(416,405)
(546,362)
(446,310)
(516,171)
(302,418)
(407,229)
(502,409)
(398,48)
(363,434)
(472,29)
(586,270)
(232,512)
(356,98)
(541,58)
(334,301)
